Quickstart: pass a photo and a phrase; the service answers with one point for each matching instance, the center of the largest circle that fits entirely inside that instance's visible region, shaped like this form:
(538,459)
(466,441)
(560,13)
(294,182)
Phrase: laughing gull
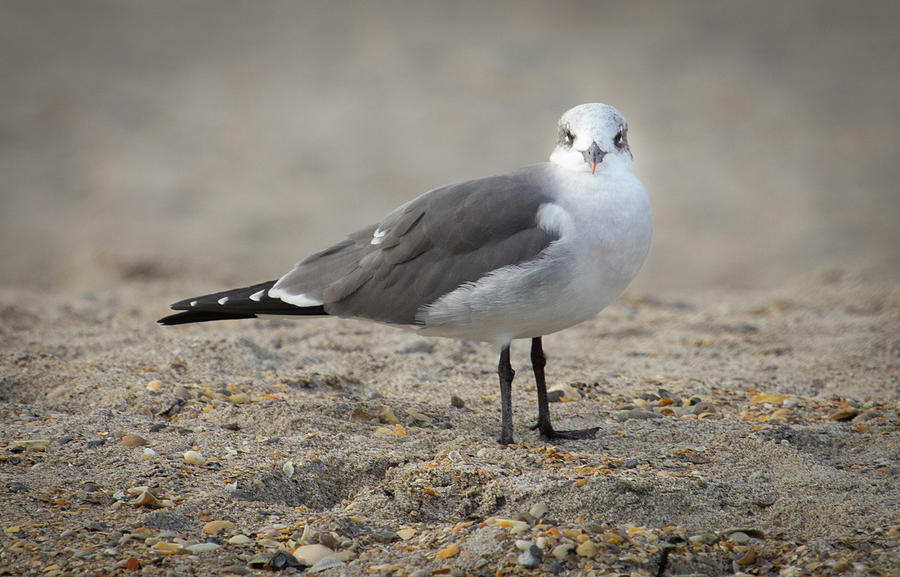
(513,256)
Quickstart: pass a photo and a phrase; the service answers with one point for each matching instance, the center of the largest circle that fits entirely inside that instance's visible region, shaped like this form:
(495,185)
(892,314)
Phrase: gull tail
(241,303)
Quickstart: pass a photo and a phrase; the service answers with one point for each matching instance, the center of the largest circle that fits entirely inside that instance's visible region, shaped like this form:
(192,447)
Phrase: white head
(592,137)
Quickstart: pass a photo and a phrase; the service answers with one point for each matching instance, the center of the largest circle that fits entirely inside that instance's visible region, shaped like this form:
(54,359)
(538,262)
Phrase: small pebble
(165,548)
(638,414)
(155,386)
(664,394)
(326,563)
(569,393)
(259,560)
(739,538)
(406,533)
(133,441)
(448,551)
(214,527)
(361,415)
(282,560)
(703,407)
(562,550)
(538,510)
(531,558)
(770,398)
(386,415)
(385,536)
(311,554)
(747,558)
(146,499)
(586,549)
(328,540)
(240,540)
(194,458)
(197,548)
(844,415)
(288,469)
(749,531)
(457,402)
(239,398)
(513,525)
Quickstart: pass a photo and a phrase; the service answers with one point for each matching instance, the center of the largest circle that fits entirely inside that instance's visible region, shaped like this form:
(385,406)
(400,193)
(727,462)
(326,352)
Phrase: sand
(343,433)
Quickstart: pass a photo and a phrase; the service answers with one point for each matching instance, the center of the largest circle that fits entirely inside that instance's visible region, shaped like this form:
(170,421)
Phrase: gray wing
(427,248)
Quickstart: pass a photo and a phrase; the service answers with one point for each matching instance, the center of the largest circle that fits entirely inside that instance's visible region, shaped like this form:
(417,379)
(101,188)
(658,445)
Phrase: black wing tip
(241,303)
(201,317)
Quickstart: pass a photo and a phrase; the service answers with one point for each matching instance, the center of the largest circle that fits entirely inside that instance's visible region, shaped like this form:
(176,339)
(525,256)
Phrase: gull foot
(549,434)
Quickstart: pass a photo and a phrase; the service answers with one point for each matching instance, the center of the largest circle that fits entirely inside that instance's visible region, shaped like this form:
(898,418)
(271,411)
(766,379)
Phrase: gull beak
(594,155)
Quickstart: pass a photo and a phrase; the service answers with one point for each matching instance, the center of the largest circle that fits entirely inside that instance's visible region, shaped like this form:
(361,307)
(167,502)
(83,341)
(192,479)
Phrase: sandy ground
(770,412)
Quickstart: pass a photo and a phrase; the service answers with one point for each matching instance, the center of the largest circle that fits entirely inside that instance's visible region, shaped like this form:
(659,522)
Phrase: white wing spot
(257,295)
(193,303)
(299,300)
(378,236)
(223,300)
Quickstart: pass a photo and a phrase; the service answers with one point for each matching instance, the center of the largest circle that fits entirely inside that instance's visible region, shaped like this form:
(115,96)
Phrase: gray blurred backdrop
(221,141)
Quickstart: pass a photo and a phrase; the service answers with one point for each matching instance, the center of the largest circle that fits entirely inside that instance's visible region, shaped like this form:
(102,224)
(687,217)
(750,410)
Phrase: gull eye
(566,136)
(619,140)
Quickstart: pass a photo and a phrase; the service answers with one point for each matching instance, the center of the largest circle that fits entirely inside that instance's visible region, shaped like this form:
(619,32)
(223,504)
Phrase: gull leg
(538,362)
(506,374)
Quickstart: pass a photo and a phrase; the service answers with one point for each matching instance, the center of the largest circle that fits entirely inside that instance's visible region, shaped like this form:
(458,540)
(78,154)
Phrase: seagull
(513,256)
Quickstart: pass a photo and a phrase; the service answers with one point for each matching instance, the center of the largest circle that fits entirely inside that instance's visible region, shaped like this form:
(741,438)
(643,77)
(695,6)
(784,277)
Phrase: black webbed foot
(548,433)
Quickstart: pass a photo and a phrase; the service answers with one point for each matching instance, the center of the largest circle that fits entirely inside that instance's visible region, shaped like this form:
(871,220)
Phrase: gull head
(592,138)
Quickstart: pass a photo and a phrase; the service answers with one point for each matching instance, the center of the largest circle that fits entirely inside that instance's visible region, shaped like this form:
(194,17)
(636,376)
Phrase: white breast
(604,223)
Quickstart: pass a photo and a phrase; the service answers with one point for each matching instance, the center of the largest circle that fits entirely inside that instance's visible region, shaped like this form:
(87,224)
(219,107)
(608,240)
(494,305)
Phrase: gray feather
(432,245)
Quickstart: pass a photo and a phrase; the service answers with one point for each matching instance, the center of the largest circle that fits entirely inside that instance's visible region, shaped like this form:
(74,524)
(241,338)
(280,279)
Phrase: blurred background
(223,141)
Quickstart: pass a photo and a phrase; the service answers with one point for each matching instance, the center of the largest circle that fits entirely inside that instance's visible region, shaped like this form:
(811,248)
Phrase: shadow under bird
(512,256)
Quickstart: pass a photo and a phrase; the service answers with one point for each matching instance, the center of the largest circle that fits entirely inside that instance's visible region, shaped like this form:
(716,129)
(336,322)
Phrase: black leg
(506,374)
(538,361)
